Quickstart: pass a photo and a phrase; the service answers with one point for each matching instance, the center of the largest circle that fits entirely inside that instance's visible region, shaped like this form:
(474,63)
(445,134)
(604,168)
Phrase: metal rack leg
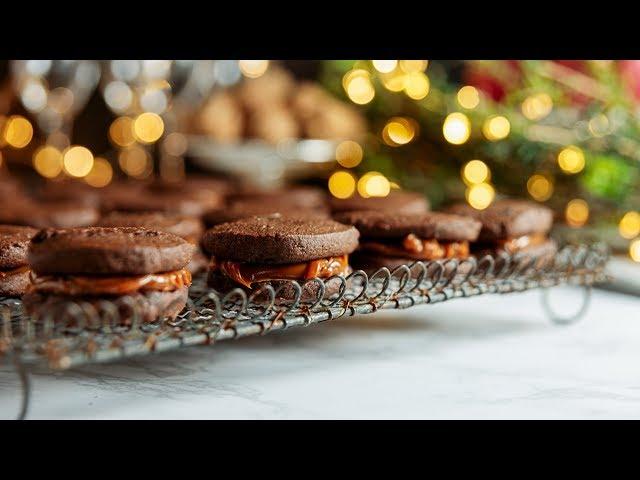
(559,320)
(25,383)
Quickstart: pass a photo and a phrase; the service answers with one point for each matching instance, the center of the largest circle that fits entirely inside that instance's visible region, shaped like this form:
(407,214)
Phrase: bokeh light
(385,66)
(398,131)
(475,171)
(571,159)
(373,184)
(358,86)
(413,66)
(577,213)
(496,128)
(536,107)
(599,125)
(18,131)
(480,195)
(175,144)
(135,162)
(342,184)
(118,96)
(468,97)
(456,128)
(349,154)
(416,85)
(148,127)
(540,187)
(121,132)
(393,81)
(47,161)
(101,173)
(629,226)
(634,250)
(77,161)
(253,68)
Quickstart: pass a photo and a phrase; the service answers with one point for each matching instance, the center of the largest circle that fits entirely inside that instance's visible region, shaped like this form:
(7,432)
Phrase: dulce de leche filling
(515,244)
(248,273)
(4,274)
(73,285)
(418,248)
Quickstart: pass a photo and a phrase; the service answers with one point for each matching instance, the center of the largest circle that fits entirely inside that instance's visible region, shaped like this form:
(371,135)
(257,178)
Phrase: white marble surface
(485,357)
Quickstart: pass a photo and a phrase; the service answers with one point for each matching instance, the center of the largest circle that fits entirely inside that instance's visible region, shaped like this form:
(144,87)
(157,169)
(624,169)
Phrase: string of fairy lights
(367,79)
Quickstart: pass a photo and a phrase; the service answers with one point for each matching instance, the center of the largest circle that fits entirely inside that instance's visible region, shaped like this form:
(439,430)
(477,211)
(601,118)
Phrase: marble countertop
(495,356)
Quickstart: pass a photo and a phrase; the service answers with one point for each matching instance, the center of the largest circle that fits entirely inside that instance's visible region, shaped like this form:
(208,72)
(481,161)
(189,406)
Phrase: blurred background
(563,133)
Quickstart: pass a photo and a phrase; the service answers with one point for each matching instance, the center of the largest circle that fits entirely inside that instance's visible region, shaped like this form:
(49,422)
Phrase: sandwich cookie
(14,265)
(103,263)
(275,248)
(396,202)
(252,208)
(188,228)
(390,240)
(53,214)
(512,226)
(309,198)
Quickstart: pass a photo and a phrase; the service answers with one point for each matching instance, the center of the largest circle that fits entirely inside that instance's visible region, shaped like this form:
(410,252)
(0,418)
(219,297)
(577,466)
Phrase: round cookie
(189,228)
(278,239)
(396,202)
(14,245)
(441,226)
(54,215)
(244,209)
(293,197)
(107,250)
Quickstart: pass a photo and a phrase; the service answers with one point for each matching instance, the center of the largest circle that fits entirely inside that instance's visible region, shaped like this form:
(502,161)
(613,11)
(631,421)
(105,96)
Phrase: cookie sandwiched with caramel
(401,202)
(109,263)
(188,228)
(390,240)
(14,264)
(275,248)
(512,226)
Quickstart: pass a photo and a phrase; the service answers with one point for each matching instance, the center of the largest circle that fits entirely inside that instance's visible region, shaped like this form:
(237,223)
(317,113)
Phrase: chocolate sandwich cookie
(275,248)
(309,198)
(14,265)
(396,202)
(390,240)
(67,191)
(51,214)
(512,226)
(109,263)
(188,228)
(251,208)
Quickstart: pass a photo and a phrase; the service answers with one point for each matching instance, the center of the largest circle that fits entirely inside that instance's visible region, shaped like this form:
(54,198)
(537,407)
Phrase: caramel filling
(14,271)
(513,245)
(73,285)
(418,248)
(248,273)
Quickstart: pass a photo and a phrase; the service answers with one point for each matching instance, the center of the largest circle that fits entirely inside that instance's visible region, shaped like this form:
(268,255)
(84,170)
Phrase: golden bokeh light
(571,159)
(536,107)
(121,132)
(480,195)
(475,171)
(456,128)
(539,187)
(393,81)
(416,85)
(18,131)
(629,226)
(360,89)
(253,68)
(468,97)
(148,127)
(175,144)
(398,131)
(342,184)
(77,161)
(577,212)
(135,162)
(352,75)
(496,128)
(47,161)
(373,184)
(101,174)
(349,153)
(599,125)
(413,66)
(634,250)
(384,66)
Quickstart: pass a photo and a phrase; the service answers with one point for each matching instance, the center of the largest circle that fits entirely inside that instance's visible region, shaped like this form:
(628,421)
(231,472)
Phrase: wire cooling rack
(79,333)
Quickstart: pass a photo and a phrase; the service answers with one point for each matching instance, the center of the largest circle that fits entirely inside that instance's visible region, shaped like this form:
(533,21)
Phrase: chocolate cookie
(14,269)
(508,218)
(441,226)
(279,239)
(396,202)
(294,197)
(245,209)
(53,214)
(104,250)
